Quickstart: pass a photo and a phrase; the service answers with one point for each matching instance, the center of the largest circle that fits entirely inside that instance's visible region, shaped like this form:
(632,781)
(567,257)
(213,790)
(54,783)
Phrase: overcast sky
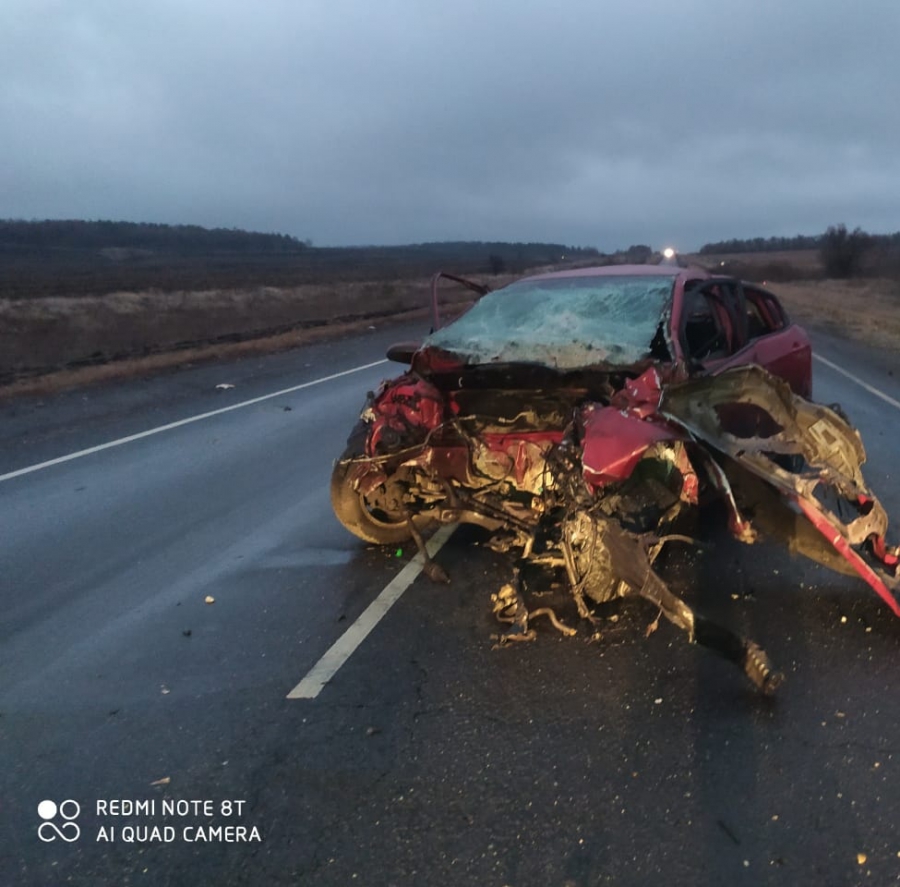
(400,121)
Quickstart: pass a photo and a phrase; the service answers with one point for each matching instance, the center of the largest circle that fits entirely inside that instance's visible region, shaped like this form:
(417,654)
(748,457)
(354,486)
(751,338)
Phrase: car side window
(713,323)
(756,322)
(764,313)
(704,334)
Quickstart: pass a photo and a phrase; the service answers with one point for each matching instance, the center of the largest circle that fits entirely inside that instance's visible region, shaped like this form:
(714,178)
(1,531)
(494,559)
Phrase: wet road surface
(429,758)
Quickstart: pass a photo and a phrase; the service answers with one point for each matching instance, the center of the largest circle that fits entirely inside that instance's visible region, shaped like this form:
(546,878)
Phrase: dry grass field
(757,266)
(56,332)
(867,310)
(53,342)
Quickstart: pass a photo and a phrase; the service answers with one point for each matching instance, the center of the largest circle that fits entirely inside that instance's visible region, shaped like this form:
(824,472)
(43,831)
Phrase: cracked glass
(563,323)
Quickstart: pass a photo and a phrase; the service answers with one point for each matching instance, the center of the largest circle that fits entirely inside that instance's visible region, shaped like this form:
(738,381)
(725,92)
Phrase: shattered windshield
(563,322)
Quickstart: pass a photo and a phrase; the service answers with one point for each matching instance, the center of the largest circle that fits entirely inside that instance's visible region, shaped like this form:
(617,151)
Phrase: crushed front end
(591,472)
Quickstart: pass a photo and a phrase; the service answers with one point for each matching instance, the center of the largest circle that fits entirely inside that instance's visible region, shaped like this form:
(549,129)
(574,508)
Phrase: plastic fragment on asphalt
(861,858)
(164,781)
(224,386)
(209,599)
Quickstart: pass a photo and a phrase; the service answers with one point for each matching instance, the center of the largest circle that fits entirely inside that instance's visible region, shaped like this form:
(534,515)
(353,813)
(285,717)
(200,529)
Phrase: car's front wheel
(376,517)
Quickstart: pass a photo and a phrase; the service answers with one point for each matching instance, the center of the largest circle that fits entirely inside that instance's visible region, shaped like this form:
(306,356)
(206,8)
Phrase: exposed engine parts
(594,475)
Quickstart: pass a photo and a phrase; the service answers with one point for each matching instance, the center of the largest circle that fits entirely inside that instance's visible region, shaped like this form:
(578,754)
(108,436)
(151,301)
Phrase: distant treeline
(465,256)
(178,239)
(778,244)
(71,258)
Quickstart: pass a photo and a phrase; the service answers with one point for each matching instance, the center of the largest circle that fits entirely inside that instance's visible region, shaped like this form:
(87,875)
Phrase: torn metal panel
(747,412)
(754,418)
(402,414)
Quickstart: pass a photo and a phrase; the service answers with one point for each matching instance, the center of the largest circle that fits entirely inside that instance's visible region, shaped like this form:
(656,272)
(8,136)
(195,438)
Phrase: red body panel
(615,441)
(786,353)
(617,436)
(826,527)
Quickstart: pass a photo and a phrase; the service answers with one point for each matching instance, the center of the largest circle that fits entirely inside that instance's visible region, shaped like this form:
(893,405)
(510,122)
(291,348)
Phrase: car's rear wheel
(376,517)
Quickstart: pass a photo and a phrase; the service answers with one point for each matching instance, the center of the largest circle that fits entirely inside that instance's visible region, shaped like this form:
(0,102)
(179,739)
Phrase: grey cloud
(352,122)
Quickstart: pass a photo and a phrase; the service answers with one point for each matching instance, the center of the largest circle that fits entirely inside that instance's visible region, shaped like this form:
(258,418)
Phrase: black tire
(351,509)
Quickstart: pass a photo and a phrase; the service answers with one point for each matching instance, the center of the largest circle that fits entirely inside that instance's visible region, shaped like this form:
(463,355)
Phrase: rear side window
(764,313)
(756,323)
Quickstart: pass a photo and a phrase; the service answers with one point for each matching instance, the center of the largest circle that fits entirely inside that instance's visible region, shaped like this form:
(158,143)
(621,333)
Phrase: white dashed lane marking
(342,649)
(870,388)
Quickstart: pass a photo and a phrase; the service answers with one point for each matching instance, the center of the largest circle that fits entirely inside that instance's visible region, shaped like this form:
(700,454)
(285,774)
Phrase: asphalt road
(430,758)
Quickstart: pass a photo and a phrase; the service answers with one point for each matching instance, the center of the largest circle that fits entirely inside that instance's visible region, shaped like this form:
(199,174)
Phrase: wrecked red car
(579,416)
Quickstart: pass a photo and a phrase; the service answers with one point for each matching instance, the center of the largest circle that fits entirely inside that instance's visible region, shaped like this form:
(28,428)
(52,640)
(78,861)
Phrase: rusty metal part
(630,559)
(509,606)
(554,621)
(434,571)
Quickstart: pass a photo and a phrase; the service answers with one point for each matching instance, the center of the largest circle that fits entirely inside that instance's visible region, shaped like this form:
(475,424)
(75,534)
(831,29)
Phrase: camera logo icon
(68,830)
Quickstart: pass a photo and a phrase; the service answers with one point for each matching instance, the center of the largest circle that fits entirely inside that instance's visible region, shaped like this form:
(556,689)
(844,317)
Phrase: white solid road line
(326,668)
(871,389)
(180,422)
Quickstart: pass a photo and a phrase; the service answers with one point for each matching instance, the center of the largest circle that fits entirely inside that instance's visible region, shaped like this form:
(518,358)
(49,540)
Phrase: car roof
(672,271)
